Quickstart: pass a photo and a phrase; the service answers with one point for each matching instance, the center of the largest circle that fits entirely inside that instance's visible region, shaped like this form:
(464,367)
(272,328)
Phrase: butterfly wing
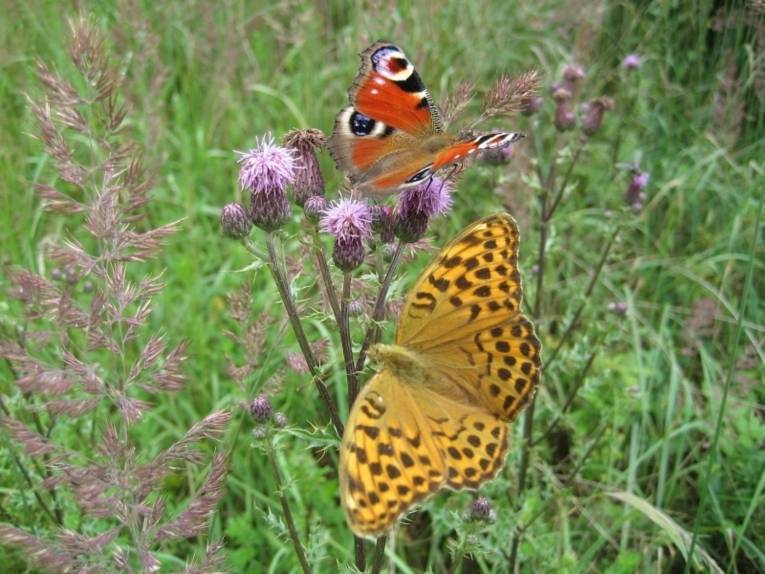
(465,148)
(403,442)
(376,139)
(464,316)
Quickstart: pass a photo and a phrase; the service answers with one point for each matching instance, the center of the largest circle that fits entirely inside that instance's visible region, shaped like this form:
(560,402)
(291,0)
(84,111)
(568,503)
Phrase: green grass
(204,79)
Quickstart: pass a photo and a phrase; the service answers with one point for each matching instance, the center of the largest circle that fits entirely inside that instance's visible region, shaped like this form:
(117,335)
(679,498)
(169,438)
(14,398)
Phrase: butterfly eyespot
(360,124)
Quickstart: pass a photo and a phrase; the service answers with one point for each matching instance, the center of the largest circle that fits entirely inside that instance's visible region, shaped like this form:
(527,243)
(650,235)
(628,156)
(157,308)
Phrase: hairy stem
(379,309)
(299,550)
(282,285)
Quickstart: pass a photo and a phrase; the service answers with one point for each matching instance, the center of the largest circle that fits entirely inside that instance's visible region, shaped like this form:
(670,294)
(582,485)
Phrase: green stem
(297,327)
(299,550)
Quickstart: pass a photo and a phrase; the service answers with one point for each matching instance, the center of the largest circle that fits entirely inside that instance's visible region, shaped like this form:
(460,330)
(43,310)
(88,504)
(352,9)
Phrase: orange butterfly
(391,136)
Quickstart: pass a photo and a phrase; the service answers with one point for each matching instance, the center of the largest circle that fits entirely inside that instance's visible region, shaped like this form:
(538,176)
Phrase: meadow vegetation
(159,412)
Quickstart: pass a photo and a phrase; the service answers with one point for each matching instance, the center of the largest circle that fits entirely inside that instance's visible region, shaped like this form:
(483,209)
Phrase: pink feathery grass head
(432,197)
(347,219)
(267,168)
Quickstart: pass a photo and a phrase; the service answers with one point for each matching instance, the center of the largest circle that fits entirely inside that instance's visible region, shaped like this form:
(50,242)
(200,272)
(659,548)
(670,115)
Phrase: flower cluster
(350,222)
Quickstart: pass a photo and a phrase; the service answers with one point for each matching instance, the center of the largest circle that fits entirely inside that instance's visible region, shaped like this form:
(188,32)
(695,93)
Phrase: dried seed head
(235,222)
(309,181)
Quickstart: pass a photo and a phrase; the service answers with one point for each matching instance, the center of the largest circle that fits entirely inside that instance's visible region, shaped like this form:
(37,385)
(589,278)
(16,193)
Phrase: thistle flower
(594,117)
(531,105)
(635,196)
(565,118)
(382,222)
(235,222)
(350,221)
(308,179)
(572,73)
(481,510)
(265,171)
(417,205)
(632,62)
(314,207)
(261,409)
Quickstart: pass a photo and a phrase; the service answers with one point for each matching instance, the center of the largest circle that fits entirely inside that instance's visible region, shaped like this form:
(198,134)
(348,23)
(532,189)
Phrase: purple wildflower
(635,196)
(481,510)
(350,221)
(417,205)
(266,171)
(261,409)
(235,221)
(632,62)
(432,197)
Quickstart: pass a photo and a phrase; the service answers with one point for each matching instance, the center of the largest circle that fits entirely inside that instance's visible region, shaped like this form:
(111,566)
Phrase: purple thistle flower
(261,409)
(417,205)
(347,218)
(481,510)
(267,168)
(432,197)
(350,221)
(235,221)
(573,73)
(531,105)
(265,171)
(635,195)
(632,62)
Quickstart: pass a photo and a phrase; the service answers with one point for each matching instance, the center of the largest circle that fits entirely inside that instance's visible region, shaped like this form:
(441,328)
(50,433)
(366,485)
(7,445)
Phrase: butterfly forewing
(463,315)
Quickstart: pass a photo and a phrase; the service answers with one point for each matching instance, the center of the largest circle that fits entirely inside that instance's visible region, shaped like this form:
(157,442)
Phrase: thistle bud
(314,207)
(235,222)
(265,171)
(481,510)
(531,105)
(382,222)
(261,409)
(308,180)
(594,117)
(565,118)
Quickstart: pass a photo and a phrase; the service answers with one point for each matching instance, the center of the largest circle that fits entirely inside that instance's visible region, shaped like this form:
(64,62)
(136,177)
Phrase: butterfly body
(464,362)
(391,136)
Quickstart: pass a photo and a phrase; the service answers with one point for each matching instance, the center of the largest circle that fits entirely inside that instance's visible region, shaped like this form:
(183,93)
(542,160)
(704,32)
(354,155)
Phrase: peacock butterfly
(391,136)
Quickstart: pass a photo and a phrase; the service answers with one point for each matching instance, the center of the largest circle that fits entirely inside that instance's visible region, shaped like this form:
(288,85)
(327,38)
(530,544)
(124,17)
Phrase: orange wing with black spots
(465,362)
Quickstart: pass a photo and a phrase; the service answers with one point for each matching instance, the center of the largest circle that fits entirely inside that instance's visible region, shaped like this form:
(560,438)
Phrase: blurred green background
(202,79)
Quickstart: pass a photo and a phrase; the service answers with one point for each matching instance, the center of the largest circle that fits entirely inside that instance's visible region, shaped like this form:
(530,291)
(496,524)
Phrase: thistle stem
(379,558)
(379,309)
(282,285)
(345,338)
(299,550)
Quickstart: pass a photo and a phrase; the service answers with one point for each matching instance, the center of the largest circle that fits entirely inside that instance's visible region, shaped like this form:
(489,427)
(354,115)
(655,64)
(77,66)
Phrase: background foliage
(673,329)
